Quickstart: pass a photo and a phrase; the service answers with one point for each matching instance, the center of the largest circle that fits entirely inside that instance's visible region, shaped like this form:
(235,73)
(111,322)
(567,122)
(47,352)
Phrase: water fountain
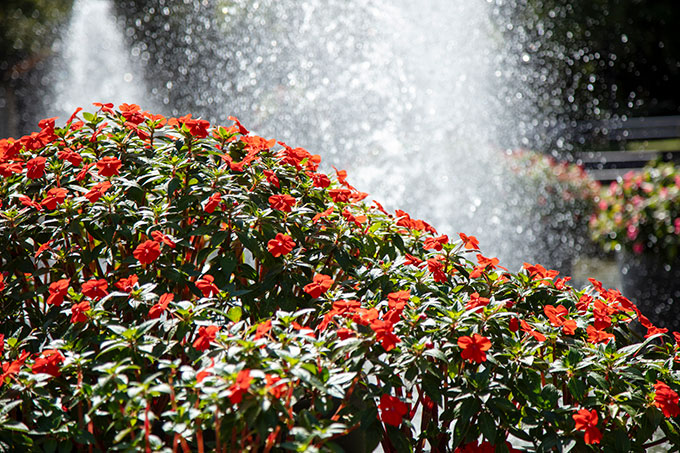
(95,64)
(416,101)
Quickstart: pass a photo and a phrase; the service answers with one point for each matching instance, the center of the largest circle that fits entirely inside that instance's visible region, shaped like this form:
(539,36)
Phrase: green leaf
(234,314)
(577,388)
(432,386)
(173,185)
(399,440)
(488,427)
(14,425)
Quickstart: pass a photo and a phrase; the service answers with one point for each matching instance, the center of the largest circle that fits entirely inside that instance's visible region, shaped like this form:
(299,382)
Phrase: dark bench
(606,166)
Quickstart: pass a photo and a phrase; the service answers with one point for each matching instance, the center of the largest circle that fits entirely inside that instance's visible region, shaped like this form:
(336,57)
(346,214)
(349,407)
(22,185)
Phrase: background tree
(27,42)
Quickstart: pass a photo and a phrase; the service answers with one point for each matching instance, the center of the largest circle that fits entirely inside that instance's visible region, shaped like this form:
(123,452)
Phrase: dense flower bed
(168,285)
(641,213)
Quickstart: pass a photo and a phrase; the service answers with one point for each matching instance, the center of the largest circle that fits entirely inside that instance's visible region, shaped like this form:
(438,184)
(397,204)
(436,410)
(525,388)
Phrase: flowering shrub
(563,199)
(641,213)
(167,285)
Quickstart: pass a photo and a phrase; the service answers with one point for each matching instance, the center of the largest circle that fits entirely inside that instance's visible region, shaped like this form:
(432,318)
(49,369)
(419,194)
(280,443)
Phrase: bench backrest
(606,166)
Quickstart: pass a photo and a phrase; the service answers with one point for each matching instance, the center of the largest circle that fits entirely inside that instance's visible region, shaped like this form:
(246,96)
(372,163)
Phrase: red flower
(240,387)
(35,168)
(272,178)
(474,347)
(7,168)
(320,180)
(282,244)
(95,289)
(587,421)
(598,336)
(132,114)
(437,268)
(513,325)
(384,334)
(108,166)
(392,410)
(569,327)
(325,213)
(43,247)
(147,252)
(666,399)
(340,195)
(301,328)
(538,336)
(241,130)
(25,201)
(273,386)
(107,108)
(282,202)
(357,220)
(255,144)
(470,242)
(84,172)
(204,373)
(557,316)
(10,369)
(206,285)
(213,202)
(411,260)
(357,196)
(54,196)
(126,284)
(476,302)
(58,291)
(340,307)
(319,285)
(71,156)
(344,333)
(436,243)
(157,310)
(398,300)
(367,316)
(584,303)
(196,127)
(263,329)
(483,263)
(538,272)
(602,315)
(162,238)
(78,312)
(651,328)
(205,336)
(97,191)
(48,363)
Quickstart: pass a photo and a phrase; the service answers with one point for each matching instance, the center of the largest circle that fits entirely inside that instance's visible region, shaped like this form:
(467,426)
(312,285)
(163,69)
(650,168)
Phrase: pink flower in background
(638,248)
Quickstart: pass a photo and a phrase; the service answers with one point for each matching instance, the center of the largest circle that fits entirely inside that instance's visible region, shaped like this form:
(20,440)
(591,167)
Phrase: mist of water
(95,63)
(417,100)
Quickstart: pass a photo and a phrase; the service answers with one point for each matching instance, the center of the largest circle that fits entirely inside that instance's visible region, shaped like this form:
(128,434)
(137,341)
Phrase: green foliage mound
(172,286)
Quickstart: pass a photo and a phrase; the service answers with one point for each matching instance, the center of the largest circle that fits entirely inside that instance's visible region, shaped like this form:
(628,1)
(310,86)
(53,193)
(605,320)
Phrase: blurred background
(586,58)
(422,102)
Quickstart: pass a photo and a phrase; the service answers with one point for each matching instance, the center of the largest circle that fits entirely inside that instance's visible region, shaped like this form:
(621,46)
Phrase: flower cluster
(641,213)
(168,284)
